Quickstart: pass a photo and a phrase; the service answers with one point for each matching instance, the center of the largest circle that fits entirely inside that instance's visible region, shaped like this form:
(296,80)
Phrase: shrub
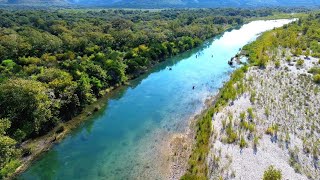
(300,62)
(243,142)
(288,59)
(251,127)
(314,70)
(272,174)
(253,96)
(277,64)
(242,116)
(9,169)
(256,141)
(316,78)
(269,131)
(250,112)
(273,129)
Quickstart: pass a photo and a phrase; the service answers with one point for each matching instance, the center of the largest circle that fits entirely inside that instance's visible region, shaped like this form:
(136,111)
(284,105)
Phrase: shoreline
(44,143)
(281,148)
(181,144)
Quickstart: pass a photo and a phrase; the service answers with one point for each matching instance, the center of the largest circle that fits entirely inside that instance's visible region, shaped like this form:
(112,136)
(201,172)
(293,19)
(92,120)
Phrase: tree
(272,174)
(64,88)
(26,104)
(7,144)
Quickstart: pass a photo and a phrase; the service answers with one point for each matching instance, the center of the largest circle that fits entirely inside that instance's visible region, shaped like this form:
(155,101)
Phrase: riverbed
(126,139)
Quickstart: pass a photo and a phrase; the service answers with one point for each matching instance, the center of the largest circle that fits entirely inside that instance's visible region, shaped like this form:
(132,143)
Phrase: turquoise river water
(122,140)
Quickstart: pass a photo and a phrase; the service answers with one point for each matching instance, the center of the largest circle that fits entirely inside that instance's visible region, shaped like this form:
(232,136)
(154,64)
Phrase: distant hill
(173,3)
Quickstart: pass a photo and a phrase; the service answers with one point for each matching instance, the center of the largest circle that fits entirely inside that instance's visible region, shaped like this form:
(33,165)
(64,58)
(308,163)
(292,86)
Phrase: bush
(273,129)
(243,143)
(9,169)
(272,174)
(316,78)
(314,70)
(250,112)
(256,141)
(232,135)
(277,64)
(288,59)
(300,62)
(242,116)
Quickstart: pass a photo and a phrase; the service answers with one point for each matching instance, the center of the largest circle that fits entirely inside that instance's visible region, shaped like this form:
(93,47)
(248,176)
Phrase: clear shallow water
(120,141)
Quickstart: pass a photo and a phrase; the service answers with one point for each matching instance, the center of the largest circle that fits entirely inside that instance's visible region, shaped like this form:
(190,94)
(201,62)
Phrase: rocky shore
(274,122)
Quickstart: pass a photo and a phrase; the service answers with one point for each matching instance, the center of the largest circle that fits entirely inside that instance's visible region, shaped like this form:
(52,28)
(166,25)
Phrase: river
(122,140)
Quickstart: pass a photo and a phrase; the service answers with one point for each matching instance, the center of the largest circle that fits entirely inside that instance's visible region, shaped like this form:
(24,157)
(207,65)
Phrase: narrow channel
(122,140)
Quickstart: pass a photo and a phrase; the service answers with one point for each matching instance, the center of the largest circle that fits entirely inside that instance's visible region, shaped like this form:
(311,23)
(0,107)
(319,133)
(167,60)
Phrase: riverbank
(181,145)
(276,121)
(44,143)
(37,146)
(130,132)
(216,164)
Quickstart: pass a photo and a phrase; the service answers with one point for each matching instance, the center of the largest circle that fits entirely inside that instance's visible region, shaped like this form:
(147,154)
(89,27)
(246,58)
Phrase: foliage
(277,64)
(300,62)
(243,143)
(301,37)
(197,162)
(55,62)
(26,104)
(272,174)
(9,168)
(8,149)
(316,78)
(316,74)
(273,129)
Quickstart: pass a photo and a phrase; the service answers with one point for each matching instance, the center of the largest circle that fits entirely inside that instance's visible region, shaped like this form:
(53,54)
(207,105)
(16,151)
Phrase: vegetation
(55,62)
(300,62)
(316,78)
(301,37)
(197,163)
(8,149)
(272,174)
(259,53)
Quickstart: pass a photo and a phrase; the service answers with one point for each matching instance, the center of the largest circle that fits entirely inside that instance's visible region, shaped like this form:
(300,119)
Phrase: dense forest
(55,62)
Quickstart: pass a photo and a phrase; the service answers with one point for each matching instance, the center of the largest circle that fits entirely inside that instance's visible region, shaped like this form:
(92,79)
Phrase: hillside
(172,3)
